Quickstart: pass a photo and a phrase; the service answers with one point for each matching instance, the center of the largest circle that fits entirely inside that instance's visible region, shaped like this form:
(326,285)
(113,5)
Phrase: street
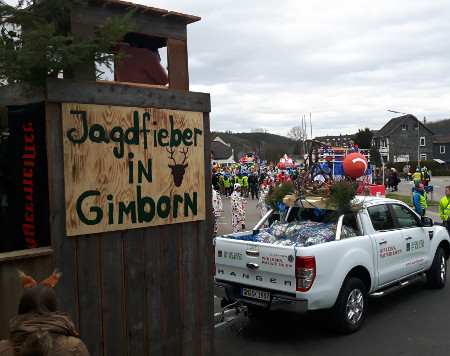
(412,321)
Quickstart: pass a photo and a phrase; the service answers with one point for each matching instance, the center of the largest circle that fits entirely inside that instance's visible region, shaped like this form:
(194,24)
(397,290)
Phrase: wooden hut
(134,245)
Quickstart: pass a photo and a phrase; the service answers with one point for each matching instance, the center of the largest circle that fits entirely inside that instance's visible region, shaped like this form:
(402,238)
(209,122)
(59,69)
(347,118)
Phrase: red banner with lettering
(26,208)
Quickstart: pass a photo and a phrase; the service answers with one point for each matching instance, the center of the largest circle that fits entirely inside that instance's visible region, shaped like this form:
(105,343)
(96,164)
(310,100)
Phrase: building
(335,141)
(404,138)
(222,153)
(441,149)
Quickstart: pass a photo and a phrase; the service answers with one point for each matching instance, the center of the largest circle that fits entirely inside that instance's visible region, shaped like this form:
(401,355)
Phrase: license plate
(256,294)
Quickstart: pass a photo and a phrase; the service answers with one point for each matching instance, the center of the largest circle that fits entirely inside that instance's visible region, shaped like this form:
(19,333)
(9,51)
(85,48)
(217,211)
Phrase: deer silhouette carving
(178,169)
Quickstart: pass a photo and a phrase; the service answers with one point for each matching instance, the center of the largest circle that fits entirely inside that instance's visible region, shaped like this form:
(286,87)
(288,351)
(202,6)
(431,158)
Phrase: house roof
(396,122)
(442,138)
(220,150)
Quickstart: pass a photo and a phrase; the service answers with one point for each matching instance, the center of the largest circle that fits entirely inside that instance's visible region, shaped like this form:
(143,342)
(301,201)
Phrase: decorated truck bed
(309,261)
(300,233)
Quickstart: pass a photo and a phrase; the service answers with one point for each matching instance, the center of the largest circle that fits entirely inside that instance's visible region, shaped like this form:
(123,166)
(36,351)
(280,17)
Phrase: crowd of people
(392,177)
(238,183)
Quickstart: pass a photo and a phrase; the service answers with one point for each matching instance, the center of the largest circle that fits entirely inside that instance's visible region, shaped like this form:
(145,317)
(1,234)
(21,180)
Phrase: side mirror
(426,221)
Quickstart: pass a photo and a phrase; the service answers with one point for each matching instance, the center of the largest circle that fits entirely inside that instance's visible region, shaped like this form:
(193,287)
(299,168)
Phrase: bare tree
(298,134)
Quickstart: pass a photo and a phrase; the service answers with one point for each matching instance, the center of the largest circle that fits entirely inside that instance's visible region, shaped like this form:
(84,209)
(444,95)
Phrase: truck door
(389,244)
(417,240)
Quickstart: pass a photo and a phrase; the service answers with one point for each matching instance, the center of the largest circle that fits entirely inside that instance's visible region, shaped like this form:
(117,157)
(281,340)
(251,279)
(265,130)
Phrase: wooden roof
(125,5)
(220,151)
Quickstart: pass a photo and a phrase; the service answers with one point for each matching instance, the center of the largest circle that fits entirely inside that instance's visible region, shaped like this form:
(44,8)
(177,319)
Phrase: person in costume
(39,329)
(264,189)
(217,209)
(237,208)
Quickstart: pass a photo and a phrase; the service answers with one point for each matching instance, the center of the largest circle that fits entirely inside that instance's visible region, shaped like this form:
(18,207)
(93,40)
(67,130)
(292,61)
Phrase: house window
(423,156)
(416,127)
(383,143)
(441,149)
(404,127)
(422,141)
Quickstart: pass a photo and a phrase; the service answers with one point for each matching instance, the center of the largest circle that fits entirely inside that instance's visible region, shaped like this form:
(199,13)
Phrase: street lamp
(418,134)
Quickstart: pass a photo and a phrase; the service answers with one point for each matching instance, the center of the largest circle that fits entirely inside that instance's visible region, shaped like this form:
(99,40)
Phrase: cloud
(267,63)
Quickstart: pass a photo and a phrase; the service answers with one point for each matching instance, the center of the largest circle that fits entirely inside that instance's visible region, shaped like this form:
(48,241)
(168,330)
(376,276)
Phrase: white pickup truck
(390,247)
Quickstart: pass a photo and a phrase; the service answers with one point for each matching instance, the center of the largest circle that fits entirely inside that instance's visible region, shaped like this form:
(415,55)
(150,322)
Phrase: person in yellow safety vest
(425,176)
(420,200)
(245,185)
(444,208)
(227,186)
(240,180)
(417,176)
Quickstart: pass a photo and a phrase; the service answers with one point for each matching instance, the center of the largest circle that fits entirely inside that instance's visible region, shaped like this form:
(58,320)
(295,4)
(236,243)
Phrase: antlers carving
(182,151)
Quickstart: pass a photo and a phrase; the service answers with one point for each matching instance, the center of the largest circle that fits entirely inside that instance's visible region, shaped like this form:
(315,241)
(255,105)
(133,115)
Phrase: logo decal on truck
(389,251)
(410,246)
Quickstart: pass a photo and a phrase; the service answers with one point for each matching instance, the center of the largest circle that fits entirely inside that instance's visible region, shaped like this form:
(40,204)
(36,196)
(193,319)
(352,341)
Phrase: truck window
(381,217)
(405,217)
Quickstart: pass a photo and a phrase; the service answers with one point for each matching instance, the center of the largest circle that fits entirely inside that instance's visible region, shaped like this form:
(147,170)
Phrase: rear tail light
(305,272)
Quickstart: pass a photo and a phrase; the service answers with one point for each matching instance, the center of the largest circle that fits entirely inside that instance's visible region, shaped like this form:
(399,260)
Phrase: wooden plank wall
(146,291)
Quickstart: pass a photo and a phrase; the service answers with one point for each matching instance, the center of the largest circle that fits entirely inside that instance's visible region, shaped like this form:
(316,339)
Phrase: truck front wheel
(351,305)
(437,273)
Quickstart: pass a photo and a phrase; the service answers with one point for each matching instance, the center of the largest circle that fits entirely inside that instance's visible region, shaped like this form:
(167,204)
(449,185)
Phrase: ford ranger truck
(390,247)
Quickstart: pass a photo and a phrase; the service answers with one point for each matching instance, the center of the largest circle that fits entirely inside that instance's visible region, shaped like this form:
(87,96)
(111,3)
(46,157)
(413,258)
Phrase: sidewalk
(438,183)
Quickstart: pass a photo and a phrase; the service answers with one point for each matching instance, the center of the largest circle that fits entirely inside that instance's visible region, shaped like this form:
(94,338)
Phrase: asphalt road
(412,321)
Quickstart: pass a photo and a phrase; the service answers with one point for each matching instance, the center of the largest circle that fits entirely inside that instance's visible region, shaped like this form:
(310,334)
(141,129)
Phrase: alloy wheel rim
(443,269)
(355,306)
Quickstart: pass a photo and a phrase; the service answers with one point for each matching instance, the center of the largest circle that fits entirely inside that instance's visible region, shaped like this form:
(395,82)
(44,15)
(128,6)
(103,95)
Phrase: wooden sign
(128,167)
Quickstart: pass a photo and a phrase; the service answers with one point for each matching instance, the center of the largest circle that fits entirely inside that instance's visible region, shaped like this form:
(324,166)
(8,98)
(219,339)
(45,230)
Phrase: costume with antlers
(40,329)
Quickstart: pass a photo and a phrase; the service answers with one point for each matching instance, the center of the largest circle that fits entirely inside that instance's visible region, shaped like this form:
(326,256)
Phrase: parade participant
(406,172)
(393,180)
(425,176)
(264,189)
(139,64)
(417,176)
(282,176)
(352,147)
(378,178)
(215,181)
(222,188)
(420,200)
(245,184)
(40,329)
(253,182)
(237,208)
(240,180)
(227,185)
(444,208)
(217,209)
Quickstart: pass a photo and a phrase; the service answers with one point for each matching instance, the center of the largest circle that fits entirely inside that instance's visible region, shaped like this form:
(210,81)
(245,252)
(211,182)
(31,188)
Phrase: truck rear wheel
(437,273)
(351,305)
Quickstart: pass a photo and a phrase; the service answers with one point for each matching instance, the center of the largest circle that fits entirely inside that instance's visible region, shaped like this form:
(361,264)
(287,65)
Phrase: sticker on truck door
(415,245)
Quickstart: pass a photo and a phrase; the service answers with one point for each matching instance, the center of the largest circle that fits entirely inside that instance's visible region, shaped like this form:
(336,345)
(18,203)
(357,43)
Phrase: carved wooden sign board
(128,167)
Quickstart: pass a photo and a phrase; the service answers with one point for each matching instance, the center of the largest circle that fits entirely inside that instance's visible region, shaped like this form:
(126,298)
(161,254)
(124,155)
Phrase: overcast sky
(267,64)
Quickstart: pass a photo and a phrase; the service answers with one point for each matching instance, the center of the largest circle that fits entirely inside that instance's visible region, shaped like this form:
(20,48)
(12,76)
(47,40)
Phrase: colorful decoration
(285,163)
(355,165)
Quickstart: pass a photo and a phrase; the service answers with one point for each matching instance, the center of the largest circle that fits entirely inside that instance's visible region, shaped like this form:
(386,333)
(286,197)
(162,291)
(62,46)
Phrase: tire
(351,306)
(437,274)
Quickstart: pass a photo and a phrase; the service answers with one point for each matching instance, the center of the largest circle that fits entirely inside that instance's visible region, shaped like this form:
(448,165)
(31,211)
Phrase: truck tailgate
(256,264)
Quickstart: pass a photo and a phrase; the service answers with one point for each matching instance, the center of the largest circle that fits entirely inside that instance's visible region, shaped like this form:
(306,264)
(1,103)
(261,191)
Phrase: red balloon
(355,165)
